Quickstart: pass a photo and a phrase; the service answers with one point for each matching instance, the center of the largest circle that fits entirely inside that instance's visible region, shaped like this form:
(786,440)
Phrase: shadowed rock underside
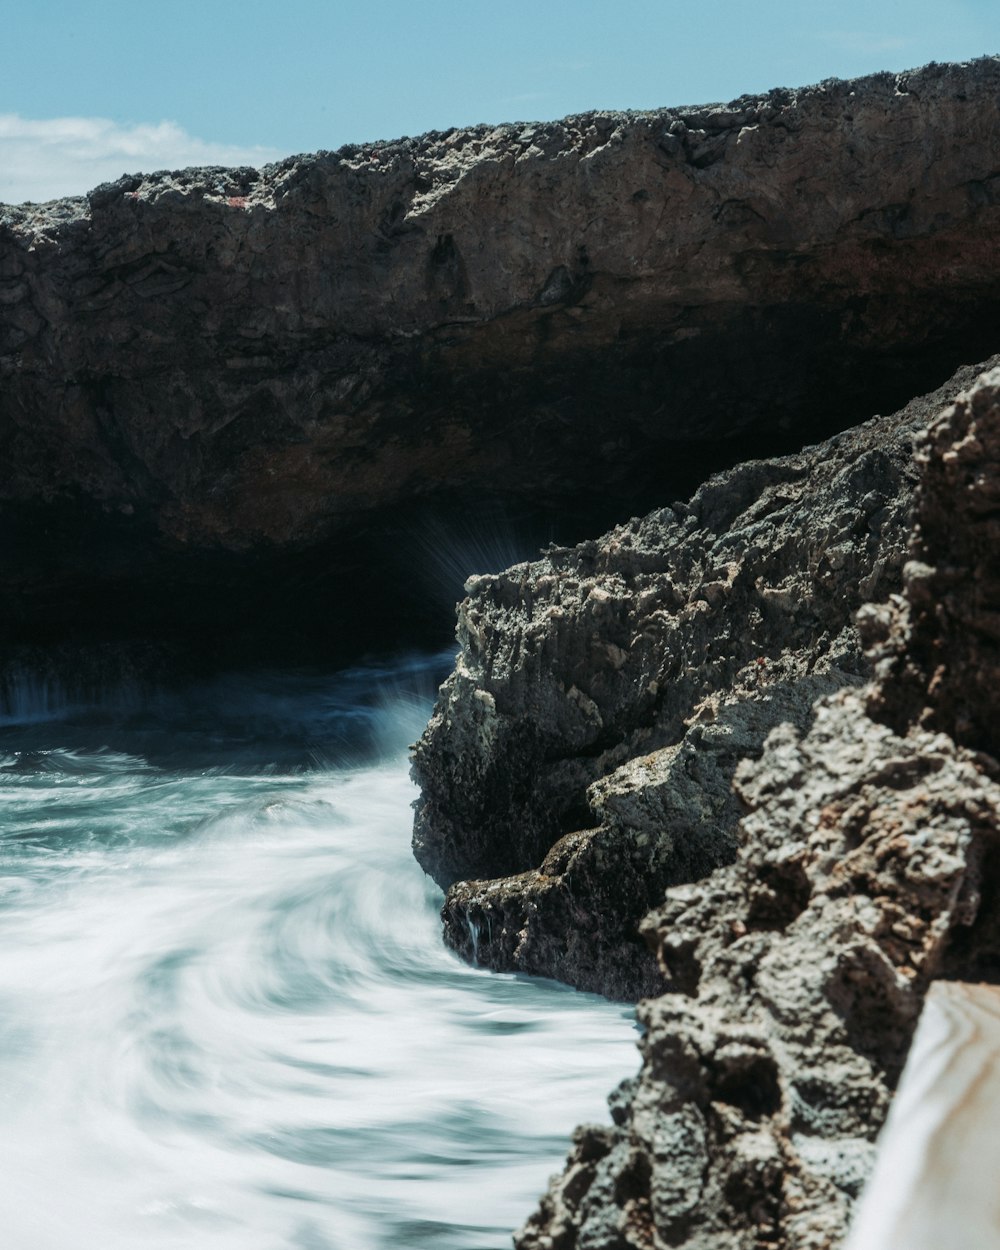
(227,395)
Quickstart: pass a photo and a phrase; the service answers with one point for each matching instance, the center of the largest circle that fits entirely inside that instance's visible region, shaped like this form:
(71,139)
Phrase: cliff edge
(228,391)
(738,758)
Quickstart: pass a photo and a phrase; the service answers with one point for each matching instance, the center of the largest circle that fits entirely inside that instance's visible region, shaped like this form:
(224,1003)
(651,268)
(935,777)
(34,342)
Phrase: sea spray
(226,1016)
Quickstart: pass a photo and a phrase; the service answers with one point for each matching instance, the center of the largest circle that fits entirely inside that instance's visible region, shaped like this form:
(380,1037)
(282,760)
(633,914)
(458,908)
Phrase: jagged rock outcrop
(580,758)
(944,638)
(209,374)
(869,864)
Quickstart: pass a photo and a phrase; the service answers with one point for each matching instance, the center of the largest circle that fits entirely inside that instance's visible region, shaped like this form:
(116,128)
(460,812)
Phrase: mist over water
(226,1016)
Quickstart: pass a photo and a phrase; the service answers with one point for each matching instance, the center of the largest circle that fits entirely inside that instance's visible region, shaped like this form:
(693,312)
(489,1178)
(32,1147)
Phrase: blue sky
(91,88)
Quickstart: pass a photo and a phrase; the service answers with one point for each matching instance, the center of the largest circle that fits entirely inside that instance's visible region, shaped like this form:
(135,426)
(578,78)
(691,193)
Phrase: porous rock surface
(581,755)
(945,637)
(869,864)
(242,362)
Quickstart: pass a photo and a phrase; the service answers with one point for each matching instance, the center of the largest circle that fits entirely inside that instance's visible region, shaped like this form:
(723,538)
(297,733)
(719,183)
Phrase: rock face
(946,637)
(869,863)
(580,758)
(222,379)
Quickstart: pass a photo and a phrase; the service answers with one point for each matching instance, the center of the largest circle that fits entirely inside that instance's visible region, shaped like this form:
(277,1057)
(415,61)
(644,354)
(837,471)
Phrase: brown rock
(209,372)
(869,864)
(583,750)
(941,666)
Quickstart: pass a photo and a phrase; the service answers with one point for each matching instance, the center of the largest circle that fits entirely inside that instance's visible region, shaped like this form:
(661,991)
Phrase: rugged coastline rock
(580,758)
(226,395)
(219,387)
(869,864)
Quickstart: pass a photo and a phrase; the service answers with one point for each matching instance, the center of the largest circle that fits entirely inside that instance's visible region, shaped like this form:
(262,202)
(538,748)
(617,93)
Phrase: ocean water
(226,1017)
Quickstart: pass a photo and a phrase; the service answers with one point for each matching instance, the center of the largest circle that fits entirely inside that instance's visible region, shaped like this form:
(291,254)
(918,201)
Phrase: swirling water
(226,1016)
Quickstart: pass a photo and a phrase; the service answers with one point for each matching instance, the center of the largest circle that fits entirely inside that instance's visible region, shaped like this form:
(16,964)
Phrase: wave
(226,1015)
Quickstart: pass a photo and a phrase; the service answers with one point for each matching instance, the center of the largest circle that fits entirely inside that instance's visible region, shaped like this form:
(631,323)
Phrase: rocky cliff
(867,860)
(581,755)
(224,392)
(252,400)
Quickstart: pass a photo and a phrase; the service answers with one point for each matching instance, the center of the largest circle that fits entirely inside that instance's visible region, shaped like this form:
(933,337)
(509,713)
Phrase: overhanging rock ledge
(221,389)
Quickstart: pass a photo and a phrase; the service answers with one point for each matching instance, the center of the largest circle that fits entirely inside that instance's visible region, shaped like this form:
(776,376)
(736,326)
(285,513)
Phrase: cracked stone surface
(794,981)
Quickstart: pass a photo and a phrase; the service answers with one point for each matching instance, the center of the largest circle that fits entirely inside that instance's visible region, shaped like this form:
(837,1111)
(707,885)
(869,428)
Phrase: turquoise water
(226,1016)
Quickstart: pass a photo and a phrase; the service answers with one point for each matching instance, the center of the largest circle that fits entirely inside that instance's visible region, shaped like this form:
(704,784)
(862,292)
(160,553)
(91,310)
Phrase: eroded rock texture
(941,659)
(210,374)
(869,864)
(581,756)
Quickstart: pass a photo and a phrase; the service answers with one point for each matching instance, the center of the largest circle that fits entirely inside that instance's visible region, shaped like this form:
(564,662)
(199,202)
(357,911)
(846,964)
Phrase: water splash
(226,1015)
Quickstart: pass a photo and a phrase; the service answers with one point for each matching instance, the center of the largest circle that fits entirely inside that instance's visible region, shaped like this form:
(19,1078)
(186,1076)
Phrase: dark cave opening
(765,384)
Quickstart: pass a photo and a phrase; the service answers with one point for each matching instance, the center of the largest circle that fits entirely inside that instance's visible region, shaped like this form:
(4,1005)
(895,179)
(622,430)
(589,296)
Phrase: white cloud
(44,160)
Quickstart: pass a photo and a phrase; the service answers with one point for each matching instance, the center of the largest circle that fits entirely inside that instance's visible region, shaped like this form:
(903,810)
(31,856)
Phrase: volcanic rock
(939,662)
(223,390)
(869,864)
(580,758)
